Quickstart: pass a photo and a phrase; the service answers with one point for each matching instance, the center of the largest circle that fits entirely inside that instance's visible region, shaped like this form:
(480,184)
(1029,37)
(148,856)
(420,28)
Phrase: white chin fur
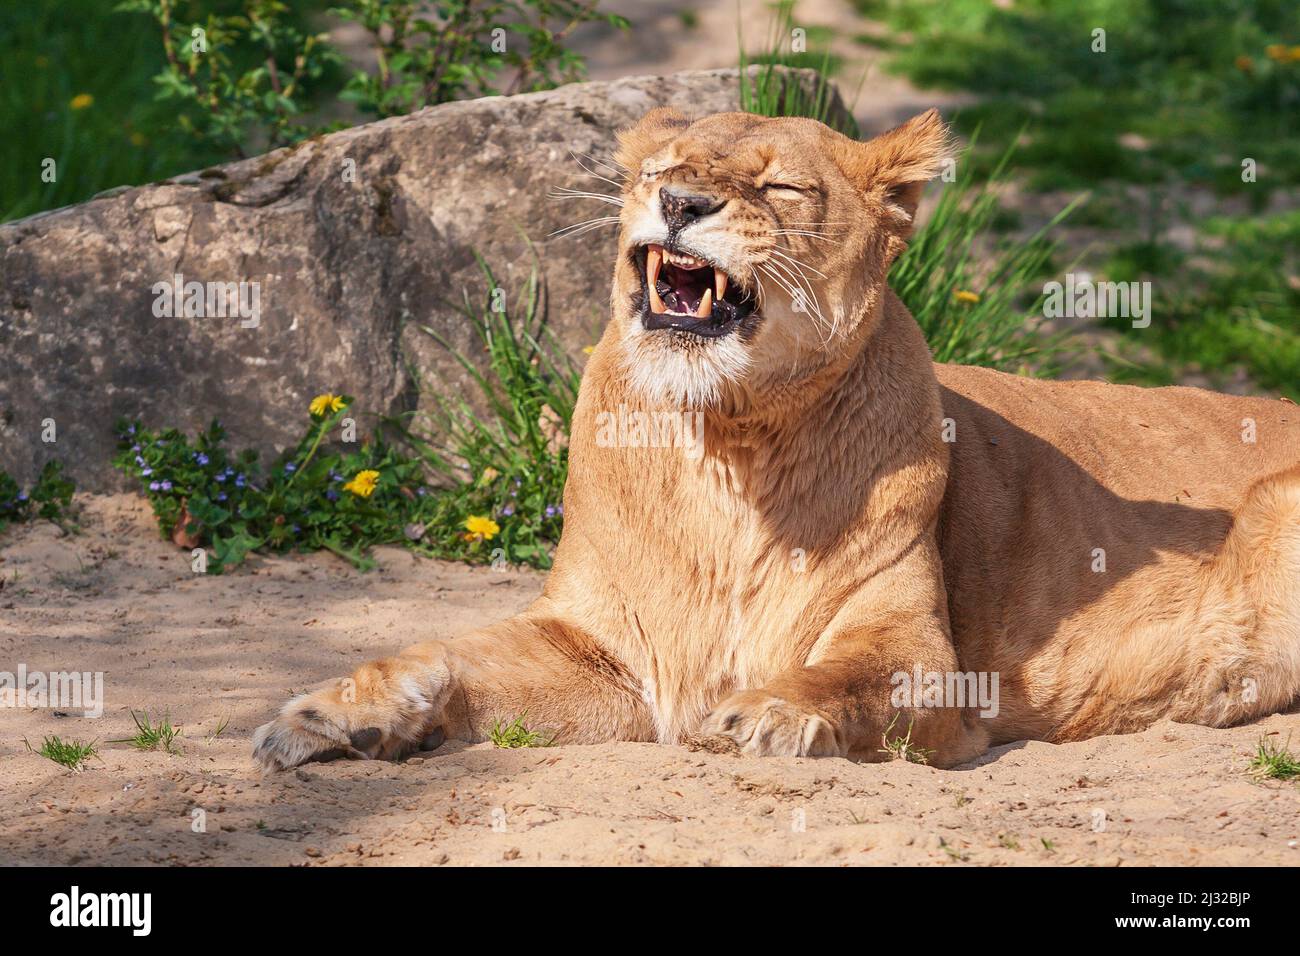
(693,375)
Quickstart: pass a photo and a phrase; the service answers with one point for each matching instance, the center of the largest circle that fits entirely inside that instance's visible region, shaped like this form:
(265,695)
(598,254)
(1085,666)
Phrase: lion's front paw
(770,726)
(382,720)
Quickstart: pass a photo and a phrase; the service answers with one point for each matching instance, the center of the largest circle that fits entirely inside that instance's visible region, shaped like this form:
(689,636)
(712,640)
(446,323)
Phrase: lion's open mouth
(685,293)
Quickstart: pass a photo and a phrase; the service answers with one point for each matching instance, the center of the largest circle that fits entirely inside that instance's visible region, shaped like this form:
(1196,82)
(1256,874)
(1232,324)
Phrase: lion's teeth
(706,305)
(657,304)
(719,283)
(653,262)
(683,260)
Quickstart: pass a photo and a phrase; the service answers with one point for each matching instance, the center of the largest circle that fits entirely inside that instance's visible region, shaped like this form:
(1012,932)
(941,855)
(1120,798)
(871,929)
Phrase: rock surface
(355,240)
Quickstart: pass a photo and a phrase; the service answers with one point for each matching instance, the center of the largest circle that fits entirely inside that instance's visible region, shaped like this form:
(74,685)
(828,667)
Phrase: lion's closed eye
(792,190)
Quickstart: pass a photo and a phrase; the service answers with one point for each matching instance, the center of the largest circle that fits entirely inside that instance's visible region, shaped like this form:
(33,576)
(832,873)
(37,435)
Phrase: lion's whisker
(807,294)
(593,173)
(578,228)
(803,232)
(797,262)
(564,192)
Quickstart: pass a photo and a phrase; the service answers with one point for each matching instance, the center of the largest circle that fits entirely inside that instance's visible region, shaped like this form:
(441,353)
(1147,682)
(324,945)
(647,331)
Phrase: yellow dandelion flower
(489,475)
(1276,51)
(326,404)
(588,349)
(481,528)
(81,101)
(363,485)
(964,295)
(1294,54)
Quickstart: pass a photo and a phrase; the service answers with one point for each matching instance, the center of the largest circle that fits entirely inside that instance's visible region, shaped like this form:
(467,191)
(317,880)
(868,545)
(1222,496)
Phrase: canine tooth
(719,283)
(706,305)
(653,262)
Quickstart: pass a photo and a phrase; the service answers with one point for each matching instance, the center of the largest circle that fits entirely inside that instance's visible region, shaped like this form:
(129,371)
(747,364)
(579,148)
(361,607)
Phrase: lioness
(856,516)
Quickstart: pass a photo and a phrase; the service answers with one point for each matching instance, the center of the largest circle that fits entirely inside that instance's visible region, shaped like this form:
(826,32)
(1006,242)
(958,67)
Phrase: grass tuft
(506,455)
(67,753)
(902,748)
(968,300)
(1273,761)
(514,734)
(150,736)
(770,91)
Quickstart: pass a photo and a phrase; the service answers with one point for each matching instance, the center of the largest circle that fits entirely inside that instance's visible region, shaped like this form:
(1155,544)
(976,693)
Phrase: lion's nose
(683,208)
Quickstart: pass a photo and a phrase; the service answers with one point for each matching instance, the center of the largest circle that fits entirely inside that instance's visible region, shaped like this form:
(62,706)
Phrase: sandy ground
(208,650)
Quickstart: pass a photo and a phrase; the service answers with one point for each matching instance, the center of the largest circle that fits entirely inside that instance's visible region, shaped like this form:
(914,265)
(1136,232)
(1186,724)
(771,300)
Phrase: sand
(209,650)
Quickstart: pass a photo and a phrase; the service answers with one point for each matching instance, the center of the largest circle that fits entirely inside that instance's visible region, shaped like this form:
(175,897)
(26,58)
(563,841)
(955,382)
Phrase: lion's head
(753,250)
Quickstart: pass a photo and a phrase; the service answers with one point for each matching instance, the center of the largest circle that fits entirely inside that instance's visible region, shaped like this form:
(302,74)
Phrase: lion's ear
(897,164)
(656,128)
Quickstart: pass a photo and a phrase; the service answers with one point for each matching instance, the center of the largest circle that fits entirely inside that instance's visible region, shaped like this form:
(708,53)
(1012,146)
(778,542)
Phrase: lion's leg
(845,705)
(848,696)
(1248,661)
(530,666)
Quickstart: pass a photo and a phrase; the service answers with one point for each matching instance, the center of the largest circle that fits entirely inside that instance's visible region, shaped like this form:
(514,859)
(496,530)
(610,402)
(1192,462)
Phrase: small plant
(222,724)
(238,79)
(67,753)
(502,473)
(1048,845)
(513,734)
(954,854)
(902,748)
(246,80)
(433,53)
(769,90)
(966,303)
(1273,761)
(50,498)
(1008,841)
(509,463)
(149,736)
(313,498)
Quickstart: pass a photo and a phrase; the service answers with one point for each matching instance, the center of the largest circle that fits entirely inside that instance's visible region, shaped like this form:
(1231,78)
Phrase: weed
(67,753)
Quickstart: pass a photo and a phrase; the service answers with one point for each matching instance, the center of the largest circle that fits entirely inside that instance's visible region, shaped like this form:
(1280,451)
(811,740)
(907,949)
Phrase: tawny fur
(858,511)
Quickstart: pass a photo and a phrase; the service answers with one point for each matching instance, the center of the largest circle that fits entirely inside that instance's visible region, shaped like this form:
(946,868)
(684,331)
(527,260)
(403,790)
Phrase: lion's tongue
(680,283)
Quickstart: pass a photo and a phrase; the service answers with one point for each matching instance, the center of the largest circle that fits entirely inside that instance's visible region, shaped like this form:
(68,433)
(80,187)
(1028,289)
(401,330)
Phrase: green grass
(151,736)
(66,753)
(1185,91)
(220,729)
(901,747)
(1239,307)
(1170,75)
(771,93)
(1273,761)
(978,307)
(505,455)
(52,52)
(513,734)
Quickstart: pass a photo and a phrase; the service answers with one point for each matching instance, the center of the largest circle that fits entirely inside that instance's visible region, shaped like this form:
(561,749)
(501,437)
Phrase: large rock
(355,241)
